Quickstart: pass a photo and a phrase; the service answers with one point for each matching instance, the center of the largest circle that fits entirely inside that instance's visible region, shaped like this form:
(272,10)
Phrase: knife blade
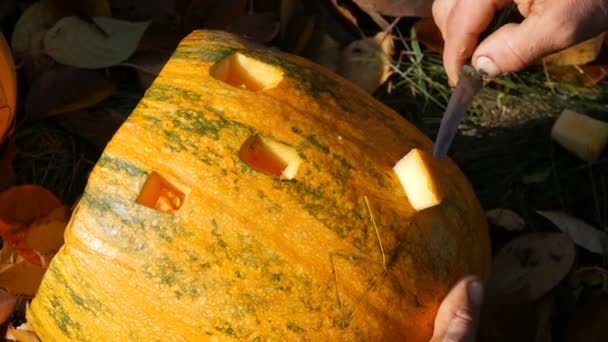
(469,84)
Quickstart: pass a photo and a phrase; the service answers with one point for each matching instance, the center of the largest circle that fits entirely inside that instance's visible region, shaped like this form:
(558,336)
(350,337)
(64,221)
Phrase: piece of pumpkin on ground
(582,135)
(415,171)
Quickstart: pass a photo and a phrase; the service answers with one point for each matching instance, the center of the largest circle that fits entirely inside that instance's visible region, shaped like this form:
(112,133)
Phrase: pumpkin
(8,88)
(192,229)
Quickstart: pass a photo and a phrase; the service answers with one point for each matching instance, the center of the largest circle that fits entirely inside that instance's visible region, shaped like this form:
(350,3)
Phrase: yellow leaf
(77,43)
(578,54)
(366,62)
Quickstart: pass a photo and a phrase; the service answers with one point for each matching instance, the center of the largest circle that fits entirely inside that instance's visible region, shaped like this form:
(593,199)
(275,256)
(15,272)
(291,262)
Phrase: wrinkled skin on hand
(458,314)
(549,26)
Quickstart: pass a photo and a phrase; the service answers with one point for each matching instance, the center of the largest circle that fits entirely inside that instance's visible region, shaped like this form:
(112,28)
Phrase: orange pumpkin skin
(8,89)
(246,255)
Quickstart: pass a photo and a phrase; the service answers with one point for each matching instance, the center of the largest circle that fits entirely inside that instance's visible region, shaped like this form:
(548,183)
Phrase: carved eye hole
(245,72)
(159,194)
(270,156)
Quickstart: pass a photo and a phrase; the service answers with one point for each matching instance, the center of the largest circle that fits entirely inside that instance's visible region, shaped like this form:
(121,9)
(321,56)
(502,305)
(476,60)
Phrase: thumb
(513,47)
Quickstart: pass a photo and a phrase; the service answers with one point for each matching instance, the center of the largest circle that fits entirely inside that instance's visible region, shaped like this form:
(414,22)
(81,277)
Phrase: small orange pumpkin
(8,88)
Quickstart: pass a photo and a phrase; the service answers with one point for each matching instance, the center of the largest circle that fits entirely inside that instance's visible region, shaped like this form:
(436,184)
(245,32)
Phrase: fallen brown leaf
(366,62)
(23,333)
(584,235)
(399,8)
(531,265)
(584,75)
(506,219)
(24,204)
(30,29)
(76,42)
(17,275)
(345,12)
(8,302)
(578,54)
(64,89)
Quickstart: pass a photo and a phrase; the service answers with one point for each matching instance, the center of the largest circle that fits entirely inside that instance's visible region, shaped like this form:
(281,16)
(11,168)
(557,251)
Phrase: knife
(470,81)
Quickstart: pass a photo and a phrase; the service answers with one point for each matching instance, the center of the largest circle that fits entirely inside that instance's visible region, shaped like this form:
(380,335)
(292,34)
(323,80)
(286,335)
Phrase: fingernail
(475,293)
(486,66)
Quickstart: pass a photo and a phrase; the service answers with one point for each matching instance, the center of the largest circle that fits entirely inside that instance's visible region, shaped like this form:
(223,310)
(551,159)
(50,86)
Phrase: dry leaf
(578,54)
(24,204)
(8,302)
(95,127)
(506,219)
(582,234)
(7,171)
(429,35)
(74,42)
(261,27)
(17,275)
(345,12)
(398,8)
(366,62)
(65,89)
(45,235)
(31,27)
(531,265)
(584,75)
(23,333)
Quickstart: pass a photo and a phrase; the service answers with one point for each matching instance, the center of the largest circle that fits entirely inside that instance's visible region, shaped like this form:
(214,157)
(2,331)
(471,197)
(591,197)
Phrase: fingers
(457,317)
(513,47)
(461,22)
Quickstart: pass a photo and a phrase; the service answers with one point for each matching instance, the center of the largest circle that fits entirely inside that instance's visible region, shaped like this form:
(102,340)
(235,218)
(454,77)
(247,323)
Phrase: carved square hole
(158,193)
(245,72)
(270,156)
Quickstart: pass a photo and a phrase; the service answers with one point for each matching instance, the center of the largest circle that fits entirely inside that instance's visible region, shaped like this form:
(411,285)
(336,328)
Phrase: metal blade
(469,83)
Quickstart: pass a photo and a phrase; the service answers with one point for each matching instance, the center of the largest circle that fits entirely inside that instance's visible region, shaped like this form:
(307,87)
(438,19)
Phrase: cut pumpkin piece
(270,156)
(416,175)
(580,134)
(245,72)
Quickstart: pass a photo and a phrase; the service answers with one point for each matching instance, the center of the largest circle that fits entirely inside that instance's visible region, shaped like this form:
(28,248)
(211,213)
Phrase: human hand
(549,26)
(458,314)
